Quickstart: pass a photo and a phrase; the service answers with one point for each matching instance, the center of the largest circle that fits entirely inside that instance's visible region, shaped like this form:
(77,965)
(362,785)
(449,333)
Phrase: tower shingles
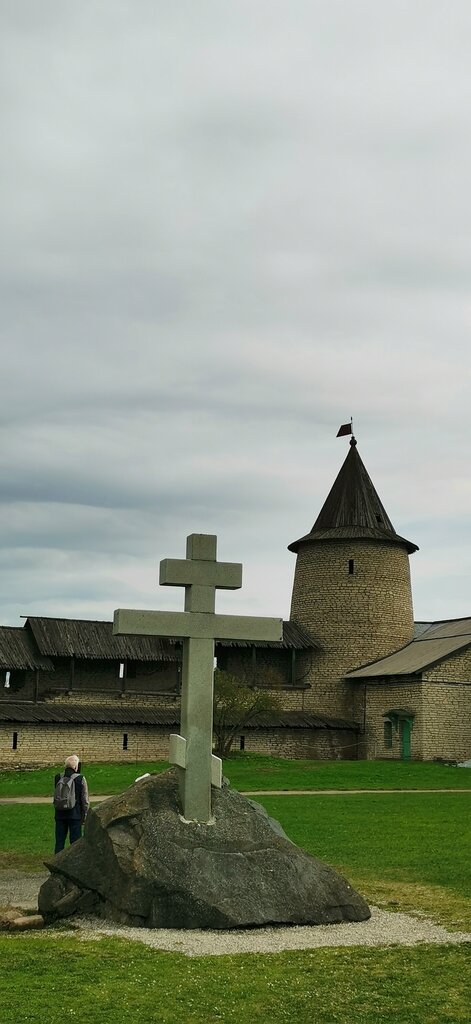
(353,509)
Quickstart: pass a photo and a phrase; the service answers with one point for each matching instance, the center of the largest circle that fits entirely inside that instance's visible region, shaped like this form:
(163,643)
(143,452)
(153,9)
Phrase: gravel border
(385,928)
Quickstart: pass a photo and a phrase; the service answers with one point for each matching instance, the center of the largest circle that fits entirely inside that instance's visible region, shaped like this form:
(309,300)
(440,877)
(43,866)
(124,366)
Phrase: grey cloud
(224,230)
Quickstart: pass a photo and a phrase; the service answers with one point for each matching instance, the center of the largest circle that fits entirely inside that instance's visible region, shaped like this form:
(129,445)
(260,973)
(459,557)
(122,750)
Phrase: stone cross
(198,625)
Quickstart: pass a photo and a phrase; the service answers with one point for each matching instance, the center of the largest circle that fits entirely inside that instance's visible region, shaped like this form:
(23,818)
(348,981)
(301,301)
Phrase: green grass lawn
(410,850)
(252,771)
(116,982)
(402,850)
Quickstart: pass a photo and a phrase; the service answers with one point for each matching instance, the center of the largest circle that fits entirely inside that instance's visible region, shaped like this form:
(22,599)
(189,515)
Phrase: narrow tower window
(7,680)
(125,741)
(350,566)
(121,670)
(14,744)
(388,734)
(242,743)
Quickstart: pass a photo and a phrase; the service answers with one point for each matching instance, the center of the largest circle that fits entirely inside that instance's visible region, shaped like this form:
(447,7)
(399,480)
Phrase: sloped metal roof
(434,644)
(83,638)
(17,651)
(452,627)
(92,714)
(353,510)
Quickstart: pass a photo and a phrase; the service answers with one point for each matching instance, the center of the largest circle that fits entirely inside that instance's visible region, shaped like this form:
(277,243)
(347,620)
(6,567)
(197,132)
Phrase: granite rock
(140,863)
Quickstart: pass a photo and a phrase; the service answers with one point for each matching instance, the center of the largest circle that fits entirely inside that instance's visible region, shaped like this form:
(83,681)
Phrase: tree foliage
(236,704)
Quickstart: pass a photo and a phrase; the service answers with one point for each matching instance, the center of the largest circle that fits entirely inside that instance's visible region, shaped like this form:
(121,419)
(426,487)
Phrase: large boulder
(141,863)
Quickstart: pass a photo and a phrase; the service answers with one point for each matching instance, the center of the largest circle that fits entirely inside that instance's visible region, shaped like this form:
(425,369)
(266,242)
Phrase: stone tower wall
(355,617)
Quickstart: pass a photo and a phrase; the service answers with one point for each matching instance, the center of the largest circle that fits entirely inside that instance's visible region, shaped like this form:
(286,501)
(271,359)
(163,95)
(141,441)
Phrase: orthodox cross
(198,625)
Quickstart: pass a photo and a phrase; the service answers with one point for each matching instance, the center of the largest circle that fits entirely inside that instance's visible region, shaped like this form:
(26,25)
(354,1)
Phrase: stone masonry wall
(355,617)
(447,721)
(51,744)
(318,744)
(397,693)
(157,700)
(456,668)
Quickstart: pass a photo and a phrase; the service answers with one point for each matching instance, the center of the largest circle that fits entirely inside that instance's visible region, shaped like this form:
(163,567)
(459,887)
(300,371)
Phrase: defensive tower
(352,587)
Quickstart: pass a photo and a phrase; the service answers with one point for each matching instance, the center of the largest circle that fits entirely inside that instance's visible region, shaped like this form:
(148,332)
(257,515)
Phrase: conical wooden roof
(353,509)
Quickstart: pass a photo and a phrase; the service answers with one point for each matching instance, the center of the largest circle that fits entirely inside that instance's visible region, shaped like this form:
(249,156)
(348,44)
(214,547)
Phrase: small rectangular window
(125,741)
(7,680)
(350,566)
(14,744)
(388,734)
(121,670)
(242,743)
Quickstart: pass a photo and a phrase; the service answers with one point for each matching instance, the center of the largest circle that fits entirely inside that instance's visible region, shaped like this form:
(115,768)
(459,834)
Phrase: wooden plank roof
(18,651)
(353,509)
(17,712)
(439,641)
(84,638)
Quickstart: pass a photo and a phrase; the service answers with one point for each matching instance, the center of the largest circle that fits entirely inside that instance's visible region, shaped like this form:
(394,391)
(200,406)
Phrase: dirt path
(253,792)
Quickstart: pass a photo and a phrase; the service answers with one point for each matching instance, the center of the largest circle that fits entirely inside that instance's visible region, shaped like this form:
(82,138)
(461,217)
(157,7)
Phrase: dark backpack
(64,793)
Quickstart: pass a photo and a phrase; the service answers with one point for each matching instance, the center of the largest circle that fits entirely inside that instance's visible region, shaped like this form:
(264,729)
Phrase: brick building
(357,677)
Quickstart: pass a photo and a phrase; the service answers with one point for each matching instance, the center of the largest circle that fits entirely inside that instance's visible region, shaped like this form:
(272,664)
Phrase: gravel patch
(383,929)
(20,889)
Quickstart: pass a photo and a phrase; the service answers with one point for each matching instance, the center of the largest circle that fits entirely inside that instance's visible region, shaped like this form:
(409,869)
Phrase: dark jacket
(82,803)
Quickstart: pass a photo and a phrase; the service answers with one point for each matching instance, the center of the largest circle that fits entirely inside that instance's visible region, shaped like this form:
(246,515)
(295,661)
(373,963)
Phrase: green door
(405,731)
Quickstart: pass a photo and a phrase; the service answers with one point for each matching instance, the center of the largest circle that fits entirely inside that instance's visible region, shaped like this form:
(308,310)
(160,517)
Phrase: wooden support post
(36,686)
(71,674)
(293,667)
(254,665)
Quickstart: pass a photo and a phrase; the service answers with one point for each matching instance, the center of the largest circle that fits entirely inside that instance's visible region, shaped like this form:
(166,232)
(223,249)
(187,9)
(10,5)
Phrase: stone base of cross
(199,627)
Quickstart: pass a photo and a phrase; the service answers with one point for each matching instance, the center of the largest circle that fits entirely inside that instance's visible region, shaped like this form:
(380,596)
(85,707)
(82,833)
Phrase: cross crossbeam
(200,625)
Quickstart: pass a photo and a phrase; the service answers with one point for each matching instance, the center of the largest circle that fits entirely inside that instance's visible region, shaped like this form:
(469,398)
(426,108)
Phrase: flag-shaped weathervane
(346,428)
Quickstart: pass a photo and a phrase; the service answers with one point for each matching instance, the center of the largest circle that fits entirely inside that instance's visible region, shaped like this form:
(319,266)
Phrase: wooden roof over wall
(42,639)
(18,651)
(84,638)
(109,714)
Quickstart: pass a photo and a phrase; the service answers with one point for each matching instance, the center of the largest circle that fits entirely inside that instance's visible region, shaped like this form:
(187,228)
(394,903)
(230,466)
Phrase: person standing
(71,803)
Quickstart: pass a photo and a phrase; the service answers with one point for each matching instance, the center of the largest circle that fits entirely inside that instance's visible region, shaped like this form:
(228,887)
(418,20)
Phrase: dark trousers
(73,826)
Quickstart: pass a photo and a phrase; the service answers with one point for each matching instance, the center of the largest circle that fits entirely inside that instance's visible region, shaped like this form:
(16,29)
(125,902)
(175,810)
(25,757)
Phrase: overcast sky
(226,227)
